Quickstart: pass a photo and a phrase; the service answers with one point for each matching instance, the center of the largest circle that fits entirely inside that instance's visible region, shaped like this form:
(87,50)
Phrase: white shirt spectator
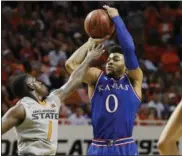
(44,77)
(144,83)
(158,106)
(54,57)
(149,65)
(75,120)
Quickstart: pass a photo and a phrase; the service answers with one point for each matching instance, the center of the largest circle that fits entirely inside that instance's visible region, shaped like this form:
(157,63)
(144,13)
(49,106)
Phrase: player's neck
(37,96)
(118,76)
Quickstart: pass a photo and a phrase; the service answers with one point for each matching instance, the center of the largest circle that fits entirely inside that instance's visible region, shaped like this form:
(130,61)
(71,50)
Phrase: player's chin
(109,73)
(45,91)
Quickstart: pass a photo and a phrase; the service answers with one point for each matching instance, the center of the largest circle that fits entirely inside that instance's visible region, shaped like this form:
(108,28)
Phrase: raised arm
(77,58)
(13,117)
(171,133)
(127,45)
(78,75)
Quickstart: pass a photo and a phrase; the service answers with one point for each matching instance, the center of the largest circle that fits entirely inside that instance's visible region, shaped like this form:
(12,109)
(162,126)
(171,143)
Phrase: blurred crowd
(38,37)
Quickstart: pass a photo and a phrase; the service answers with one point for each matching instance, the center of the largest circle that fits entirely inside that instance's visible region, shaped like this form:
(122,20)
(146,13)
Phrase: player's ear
(29,84)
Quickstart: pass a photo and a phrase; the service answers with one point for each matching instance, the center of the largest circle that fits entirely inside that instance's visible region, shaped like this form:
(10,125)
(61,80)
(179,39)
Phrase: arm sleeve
(126,43)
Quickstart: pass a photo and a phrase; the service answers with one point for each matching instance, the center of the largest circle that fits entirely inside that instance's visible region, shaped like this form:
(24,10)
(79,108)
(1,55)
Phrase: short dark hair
(18,85)
(115,49)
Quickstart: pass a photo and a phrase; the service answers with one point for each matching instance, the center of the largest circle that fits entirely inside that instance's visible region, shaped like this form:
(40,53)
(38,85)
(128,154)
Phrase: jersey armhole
(101,73)
(133,88)
(57,99)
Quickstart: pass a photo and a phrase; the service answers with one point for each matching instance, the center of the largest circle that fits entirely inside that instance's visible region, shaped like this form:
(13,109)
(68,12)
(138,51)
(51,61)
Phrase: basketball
(98,24)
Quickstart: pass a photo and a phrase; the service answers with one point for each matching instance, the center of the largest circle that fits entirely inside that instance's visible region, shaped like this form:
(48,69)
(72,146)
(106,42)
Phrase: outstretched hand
(95,51)
(112,12)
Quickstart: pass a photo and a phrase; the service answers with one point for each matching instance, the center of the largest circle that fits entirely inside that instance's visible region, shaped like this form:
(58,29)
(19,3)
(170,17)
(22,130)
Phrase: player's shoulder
(53,97)
(25,101)
(92,75)
(128,78)
(18,110)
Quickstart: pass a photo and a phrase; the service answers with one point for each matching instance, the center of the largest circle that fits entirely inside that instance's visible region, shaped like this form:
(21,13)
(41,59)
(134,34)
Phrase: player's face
(115,65)
(38,86)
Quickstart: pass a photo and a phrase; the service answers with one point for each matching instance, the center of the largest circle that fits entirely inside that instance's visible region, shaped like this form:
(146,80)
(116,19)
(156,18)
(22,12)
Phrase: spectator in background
(172,102)
(78,118)
(166,111)
(37,22)
(156,104)
(170,59)
(178,81)
(152,114)
(136,22)
(56,77)
(166,27)
(143,112)
(148,64)
(27,52)
(56,55)
(65,111)
(152,18)
(178,41)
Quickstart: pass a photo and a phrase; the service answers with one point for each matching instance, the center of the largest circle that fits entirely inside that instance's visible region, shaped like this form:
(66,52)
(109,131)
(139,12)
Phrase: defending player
(171,133)
(35,117)
(114,99)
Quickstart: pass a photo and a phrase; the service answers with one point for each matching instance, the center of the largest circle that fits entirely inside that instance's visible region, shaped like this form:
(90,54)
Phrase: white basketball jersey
(38,132)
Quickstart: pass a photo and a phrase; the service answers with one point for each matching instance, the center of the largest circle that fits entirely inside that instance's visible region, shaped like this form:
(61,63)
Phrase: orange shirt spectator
(153,53)
(170,61)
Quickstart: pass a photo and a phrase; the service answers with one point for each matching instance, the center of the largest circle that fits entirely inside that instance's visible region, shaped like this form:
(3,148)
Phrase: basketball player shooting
(171,133)
(114,99)
(35,117)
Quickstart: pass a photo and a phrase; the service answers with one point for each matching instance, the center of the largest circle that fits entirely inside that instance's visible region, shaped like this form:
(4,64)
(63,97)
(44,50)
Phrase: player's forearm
(126,43)
(5,126)
(77,58)
(74,80)
(80,71)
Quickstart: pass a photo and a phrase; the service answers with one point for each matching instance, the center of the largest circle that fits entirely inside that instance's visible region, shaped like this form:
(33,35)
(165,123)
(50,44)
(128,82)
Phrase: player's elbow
(163,144)
(130,47)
